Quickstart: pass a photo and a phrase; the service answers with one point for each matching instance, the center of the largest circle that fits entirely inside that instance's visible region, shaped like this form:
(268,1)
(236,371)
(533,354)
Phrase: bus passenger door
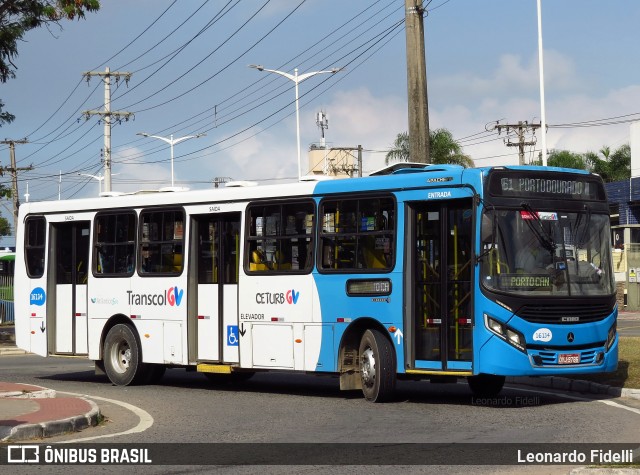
(214,272)
(69,270)
(439,278)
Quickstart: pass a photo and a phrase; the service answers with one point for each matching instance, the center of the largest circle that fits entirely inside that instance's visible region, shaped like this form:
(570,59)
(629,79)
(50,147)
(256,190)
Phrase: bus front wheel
(486,385)
(123,356)
(377,366)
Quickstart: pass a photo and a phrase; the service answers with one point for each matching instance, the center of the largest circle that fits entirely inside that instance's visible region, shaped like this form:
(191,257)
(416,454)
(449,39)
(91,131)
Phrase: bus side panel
(107,297)
(272,311)
(30,299)
(31,316)
(340,310)
(159,310)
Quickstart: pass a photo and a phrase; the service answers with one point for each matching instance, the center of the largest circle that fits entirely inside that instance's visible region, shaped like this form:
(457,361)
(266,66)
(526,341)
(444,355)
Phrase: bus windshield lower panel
(546,253)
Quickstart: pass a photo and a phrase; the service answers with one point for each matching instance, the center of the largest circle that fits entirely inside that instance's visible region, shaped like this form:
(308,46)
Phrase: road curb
(12,351)
(58,427)
(44,393)
(574,385)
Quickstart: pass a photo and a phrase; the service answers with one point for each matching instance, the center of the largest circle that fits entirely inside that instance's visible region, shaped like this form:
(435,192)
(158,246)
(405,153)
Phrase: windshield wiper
(586,227)
(538,229)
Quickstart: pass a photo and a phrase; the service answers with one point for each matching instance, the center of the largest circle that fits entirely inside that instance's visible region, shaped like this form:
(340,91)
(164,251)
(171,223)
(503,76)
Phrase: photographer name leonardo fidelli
(518,401)
(594,456)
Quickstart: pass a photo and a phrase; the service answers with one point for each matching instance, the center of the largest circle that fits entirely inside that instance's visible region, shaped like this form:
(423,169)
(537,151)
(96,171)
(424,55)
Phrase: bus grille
(564,314)
(550,358)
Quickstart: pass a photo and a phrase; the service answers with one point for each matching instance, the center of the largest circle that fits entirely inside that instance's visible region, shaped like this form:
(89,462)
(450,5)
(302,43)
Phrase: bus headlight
(494,325)
(508,334)
(611,337)
(516,339)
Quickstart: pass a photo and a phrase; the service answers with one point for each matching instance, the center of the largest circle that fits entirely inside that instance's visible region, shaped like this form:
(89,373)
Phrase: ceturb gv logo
(292,296)
(278,298)
(172,297)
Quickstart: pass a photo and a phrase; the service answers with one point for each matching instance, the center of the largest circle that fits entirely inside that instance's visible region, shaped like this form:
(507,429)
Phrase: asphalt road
(187,408)
(629,324)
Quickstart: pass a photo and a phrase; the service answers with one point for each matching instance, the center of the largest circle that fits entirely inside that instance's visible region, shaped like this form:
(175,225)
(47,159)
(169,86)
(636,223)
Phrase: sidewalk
(30,412)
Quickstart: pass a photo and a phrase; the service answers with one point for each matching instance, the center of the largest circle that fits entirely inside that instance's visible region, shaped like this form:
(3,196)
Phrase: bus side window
(115,244)
(161,242)
(280,239)
(357,234)
(35,240)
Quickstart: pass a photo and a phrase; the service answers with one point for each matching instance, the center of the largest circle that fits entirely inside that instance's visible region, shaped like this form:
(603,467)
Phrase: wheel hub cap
(368,367)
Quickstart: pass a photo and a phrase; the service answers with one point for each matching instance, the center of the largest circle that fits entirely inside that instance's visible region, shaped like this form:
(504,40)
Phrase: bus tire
(377,366)
(123,356)
(486,385)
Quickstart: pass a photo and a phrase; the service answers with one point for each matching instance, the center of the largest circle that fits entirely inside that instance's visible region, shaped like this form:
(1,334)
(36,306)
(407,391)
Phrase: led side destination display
(524,281)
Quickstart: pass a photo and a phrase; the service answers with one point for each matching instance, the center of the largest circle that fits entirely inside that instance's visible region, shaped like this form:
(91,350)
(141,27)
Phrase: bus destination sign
(544,185)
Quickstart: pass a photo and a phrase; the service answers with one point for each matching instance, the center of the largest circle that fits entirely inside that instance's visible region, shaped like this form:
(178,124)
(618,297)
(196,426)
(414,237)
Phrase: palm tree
(400,150)
(616,166)
(443,149)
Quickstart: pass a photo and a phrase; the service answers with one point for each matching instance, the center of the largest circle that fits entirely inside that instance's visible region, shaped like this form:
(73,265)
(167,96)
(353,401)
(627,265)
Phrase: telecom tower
(337,162)
(323,122)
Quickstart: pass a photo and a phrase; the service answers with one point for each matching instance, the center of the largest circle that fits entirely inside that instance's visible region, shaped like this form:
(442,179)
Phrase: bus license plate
(569,358)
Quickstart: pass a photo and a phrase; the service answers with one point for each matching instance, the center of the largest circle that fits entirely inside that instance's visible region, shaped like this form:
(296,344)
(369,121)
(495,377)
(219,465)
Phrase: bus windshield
(546,253)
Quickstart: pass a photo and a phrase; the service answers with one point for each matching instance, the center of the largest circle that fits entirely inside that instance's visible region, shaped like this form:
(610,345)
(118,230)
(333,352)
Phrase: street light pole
(96,177)
(543,120)
(297,79)
(171,142)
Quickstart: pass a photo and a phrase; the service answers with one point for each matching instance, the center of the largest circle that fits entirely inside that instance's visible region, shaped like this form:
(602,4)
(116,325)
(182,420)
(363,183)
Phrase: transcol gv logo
(277,298)
(172,296)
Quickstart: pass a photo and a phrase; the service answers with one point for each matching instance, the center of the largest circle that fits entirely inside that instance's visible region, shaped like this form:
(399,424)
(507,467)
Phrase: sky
(189,60)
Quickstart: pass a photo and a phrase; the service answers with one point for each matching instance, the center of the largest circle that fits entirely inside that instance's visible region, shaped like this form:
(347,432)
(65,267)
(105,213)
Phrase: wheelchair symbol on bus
(232,335)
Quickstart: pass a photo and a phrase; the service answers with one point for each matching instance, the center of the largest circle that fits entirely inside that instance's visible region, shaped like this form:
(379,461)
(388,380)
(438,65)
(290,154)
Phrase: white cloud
(356,117)
(464,103)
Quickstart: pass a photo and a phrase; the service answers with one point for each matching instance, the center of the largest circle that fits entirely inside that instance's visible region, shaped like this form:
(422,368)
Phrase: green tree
(614,166)
(565,159)
(5,227)
(443,149)
(17,17)
(400,150)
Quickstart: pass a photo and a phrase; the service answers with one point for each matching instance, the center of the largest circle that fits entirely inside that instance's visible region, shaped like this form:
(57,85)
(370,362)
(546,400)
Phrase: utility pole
(107,114)
(14,177)
(349,169)
(417,83)
(520,129)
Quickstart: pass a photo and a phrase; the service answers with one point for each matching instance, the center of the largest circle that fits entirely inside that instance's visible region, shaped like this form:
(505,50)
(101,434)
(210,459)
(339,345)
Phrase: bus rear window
(34,246)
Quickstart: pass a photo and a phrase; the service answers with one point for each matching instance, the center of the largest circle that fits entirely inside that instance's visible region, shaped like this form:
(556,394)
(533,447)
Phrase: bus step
(213,368)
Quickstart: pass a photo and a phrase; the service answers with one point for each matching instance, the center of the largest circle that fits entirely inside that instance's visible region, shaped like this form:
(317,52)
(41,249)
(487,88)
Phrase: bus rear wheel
(486,385)
(377,366)
(123,356)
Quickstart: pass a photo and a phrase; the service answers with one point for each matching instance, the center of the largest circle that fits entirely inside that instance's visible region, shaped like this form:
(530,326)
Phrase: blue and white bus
(428,272)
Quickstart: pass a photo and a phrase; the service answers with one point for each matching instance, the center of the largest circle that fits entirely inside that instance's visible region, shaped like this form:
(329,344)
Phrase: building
(624,203)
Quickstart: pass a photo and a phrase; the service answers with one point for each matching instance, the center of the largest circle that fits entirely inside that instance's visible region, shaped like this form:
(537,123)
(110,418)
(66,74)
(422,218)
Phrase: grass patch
(628,373)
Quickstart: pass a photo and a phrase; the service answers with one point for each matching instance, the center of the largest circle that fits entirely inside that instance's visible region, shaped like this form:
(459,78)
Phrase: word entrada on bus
(436,272)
